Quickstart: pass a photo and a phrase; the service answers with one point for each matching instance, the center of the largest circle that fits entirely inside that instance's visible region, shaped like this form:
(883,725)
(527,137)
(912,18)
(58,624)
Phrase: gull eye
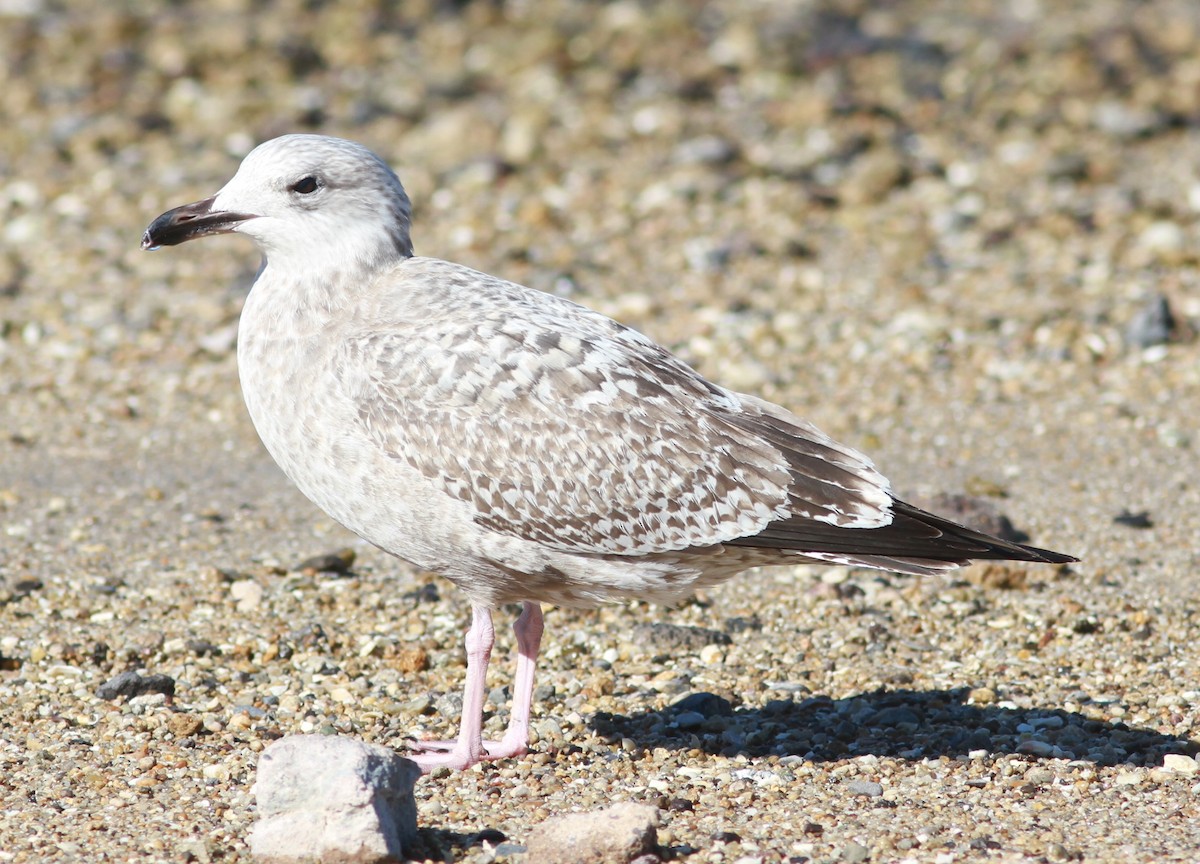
(304,186)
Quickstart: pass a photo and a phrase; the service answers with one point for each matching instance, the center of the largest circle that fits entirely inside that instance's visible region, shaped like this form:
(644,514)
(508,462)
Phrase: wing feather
(560,426)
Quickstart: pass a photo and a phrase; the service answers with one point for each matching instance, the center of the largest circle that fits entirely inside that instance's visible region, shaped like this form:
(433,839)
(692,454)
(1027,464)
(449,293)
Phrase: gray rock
(619,834)
(1152,324)
(866,788)
(333,799)
(855,853)
(131,684)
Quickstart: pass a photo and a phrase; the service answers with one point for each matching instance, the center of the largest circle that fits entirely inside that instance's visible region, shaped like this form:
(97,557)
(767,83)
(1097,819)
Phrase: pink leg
(470,747)
(528,629)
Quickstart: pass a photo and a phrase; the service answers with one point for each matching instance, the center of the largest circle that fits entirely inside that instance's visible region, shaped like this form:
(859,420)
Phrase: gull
(525,447)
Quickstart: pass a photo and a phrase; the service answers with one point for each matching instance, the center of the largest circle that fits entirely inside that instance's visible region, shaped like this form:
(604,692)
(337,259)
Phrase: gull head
(308,201)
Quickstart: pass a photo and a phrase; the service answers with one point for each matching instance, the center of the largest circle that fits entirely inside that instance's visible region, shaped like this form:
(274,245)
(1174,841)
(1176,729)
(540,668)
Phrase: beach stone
(1180,763)
(131,684)
(333,799)
(618,834)
(1152,324)
(866,788)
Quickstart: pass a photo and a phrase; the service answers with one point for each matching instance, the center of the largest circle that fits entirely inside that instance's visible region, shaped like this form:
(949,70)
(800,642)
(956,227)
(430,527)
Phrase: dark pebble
(427,593)
(131,684)
(331,562)
(704,704)
(25,587)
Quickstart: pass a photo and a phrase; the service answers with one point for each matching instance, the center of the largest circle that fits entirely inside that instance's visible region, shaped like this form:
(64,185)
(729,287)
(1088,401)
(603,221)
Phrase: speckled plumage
(524,446)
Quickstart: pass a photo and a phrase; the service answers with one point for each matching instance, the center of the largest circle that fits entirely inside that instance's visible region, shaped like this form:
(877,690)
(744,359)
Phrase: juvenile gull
(527,448)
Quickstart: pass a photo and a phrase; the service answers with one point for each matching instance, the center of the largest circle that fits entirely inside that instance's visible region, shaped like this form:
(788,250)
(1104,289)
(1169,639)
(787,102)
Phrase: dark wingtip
(916,541)
(1046,556)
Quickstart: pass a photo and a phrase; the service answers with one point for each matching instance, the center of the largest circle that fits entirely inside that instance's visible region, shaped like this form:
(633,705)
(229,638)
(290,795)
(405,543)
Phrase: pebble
(619,834)
(332,798)
(865,788)
(1152,324)
(247,594)
(854,853)
(1180,763)
(132,684)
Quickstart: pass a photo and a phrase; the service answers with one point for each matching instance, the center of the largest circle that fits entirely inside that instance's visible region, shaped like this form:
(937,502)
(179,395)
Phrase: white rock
(1180,763)
(247,594)
(615,835)
(326,798)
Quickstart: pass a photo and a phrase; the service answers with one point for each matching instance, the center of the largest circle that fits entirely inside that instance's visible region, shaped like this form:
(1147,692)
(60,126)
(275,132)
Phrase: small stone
(330,798)
(1033,747)
(1125,121)
(131,684)
(1040,776)
(855,853)
(982,696)
(1162,238)
(710,655)
(872,176)
(247,594)
(865,788)
(412,660)
(1180,763)
(184,725)
(1058,852)
(706,150)
(615,835)
(25,587)
(1152,324)
(331,562)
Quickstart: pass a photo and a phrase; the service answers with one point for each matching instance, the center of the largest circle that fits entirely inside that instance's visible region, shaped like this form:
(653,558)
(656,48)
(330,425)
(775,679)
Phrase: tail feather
(914,542)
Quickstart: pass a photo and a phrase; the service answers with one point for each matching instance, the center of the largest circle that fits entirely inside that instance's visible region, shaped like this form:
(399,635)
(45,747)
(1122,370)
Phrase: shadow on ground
(909,724)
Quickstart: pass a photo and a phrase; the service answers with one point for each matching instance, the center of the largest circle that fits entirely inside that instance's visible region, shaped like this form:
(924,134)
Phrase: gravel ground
(963,236)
